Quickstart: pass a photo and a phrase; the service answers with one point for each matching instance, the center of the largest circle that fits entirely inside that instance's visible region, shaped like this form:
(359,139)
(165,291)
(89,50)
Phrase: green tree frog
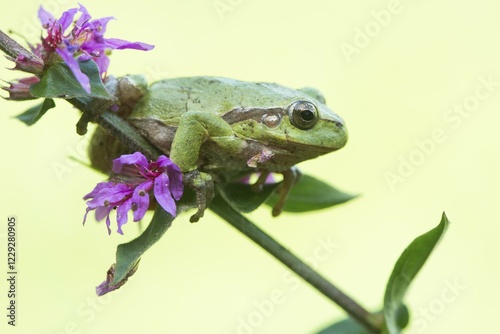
(219,129)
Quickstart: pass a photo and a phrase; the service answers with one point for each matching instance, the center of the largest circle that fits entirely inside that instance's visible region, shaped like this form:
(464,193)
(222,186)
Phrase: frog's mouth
(314,143)
(276,158)
(301,151)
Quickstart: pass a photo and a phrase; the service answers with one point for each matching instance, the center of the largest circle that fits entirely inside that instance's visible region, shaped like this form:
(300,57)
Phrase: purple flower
(138,180)
(81,39)
(107,285)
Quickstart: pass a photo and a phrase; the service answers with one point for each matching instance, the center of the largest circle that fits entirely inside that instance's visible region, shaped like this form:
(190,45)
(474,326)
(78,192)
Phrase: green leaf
(346,326)
(32,115)
(311,194)
(405,270)
(241,197)
(59,81)
(129,253)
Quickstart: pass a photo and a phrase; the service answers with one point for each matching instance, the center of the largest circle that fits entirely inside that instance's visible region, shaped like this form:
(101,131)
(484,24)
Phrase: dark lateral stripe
(241,114)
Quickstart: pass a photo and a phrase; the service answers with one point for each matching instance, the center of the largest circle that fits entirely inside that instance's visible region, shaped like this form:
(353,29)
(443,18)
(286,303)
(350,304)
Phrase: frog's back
(168,99)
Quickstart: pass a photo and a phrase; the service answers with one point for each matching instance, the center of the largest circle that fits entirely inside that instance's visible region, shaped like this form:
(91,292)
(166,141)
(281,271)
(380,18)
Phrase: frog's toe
(203,186)
(194,218)
(277,209)
(261,181)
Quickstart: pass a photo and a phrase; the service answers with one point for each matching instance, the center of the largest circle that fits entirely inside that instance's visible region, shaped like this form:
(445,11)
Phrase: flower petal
(141,199)
(45,17)
(122,214)
(103,288)
(101,24)
(174,174)
(176,184)
(108,224)
(102,211)
(111,195)
(84,17)
(82,79)
(120,44)
(162,194)
(136,158)
(85,216)
(107,285)
(164,161)
(102,63)
(97,188)
(67,18)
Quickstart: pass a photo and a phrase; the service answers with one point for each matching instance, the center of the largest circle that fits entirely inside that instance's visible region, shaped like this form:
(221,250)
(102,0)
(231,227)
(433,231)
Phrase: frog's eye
(303,114)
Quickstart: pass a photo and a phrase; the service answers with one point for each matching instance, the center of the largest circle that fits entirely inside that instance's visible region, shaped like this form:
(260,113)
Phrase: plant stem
(371,321)
(120,128)
(128,135)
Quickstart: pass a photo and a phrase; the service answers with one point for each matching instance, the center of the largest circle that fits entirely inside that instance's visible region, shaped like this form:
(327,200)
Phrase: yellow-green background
(204,277)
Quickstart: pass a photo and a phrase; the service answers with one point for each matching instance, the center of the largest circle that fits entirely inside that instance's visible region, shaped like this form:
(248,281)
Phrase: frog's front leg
(194,129)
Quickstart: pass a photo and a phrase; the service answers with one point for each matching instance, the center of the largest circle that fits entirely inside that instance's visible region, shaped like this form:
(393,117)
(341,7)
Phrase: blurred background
(418,84)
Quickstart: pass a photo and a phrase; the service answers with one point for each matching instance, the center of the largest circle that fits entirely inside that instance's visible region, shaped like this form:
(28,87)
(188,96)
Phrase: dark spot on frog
(249,127)
(286,134)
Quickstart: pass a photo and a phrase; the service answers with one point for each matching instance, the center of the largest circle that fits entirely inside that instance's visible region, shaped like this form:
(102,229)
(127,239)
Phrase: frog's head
(310,122)
(302,128)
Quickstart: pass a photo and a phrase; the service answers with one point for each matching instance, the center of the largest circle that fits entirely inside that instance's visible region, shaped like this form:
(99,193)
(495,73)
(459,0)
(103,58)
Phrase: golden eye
(303,114)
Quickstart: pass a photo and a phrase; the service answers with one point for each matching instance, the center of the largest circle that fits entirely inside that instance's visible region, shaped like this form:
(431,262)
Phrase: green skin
(222,128)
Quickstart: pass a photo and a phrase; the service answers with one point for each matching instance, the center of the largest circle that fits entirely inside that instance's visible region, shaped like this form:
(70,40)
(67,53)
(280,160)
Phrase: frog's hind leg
(290,178)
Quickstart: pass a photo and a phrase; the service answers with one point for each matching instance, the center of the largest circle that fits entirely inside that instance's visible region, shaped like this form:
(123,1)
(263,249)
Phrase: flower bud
(29,63)
(20,90)
(25,60)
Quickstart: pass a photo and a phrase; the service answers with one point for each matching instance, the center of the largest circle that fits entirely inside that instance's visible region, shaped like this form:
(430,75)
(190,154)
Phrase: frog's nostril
(339,124)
